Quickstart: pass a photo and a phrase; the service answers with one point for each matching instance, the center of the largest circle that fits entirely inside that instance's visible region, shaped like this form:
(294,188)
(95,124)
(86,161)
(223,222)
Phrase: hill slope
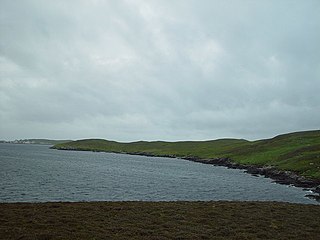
(298,152)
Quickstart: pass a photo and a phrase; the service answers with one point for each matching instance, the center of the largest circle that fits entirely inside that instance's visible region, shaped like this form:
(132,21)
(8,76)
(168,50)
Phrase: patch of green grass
(204,149)
(159,220)
(298,152)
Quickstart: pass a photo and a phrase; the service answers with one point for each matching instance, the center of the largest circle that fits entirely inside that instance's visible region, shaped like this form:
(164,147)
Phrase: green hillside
(298,152)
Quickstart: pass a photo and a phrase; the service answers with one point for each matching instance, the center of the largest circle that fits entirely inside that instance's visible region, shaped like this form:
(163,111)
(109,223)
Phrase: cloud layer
(170,70)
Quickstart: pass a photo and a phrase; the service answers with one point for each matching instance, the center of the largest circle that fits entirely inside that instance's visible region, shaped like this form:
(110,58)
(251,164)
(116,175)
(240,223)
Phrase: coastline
(279,176)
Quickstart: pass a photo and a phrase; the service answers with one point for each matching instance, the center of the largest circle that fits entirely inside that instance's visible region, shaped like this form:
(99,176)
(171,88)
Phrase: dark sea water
(35,173)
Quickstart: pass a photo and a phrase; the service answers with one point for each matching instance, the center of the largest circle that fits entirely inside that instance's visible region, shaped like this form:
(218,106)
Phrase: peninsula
(292,158)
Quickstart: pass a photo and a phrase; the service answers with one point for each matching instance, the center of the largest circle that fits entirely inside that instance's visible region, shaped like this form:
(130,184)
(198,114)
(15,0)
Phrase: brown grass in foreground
(159,220)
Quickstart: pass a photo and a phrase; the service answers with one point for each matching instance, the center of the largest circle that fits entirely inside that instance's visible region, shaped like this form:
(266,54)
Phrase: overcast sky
(158,70)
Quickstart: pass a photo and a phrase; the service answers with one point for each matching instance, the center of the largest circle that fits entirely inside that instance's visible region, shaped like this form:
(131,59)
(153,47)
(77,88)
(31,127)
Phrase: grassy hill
(298,152)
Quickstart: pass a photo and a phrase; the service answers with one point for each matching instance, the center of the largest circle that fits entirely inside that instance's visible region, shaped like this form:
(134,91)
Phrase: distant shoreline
(36,141)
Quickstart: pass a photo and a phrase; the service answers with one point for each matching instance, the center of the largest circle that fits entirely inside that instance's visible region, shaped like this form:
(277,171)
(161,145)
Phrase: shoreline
(279,176)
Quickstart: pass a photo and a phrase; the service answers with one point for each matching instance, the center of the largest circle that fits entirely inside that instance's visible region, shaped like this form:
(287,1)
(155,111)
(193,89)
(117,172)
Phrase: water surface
(36,173)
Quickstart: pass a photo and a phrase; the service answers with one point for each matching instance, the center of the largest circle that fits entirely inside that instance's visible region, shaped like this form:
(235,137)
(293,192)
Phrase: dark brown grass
(159,220)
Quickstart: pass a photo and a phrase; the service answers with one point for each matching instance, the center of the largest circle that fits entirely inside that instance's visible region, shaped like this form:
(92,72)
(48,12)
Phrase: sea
(36,173)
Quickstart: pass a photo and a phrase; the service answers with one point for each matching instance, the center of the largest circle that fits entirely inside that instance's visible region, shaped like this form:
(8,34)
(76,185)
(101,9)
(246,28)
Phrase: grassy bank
(298,152)
(159,220)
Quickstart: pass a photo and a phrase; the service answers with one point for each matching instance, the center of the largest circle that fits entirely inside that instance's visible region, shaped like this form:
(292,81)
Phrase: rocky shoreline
(279,176)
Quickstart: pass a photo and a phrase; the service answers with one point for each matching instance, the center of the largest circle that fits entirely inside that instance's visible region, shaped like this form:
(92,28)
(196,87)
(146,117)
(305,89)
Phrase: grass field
(298,152)
(159,220)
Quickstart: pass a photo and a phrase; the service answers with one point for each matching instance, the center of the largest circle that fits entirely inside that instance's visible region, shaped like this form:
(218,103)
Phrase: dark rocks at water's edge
(279,176)
(312,196)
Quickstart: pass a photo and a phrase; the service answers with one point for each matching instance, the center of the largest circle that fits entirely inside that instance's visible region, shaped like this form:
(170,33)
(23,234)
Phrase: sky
(158,69)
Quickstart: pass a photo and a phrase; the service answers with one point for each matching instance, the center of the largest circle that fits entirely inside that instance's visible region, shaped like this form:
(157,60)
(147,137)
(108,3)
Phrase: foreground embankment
(159,220)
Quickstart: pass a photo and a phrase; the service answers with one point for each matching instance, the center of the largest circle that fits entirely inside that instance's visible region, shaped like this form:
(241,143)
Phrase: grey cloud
(170,70)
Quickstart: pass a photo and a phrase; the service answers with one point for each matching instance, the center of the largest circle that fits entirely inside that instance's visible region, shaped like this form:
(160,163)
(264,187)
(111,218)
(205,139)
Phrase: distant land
(292,158)
(36,141)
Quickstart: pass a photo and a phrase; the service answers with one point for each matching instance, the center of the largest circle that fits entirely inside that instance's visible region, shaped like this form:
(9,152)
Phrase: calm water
(34,173)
